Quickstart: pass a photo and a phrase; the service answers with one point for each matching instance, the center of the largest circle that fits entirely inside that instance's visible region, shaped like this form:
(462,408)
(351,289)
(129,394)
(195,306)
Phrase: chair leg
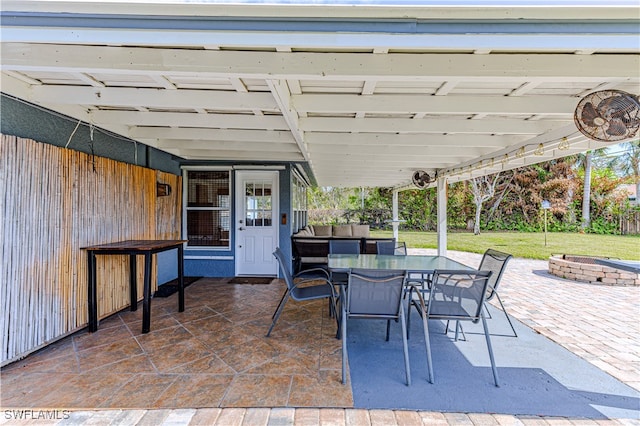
(278,311)
(405,347)
(334,307)
(280,303)
(506,315)
(388,328)
(343,327)
(412,302)
(339,303)
(459,329)
(427,342)
(493,362)
(486,309)
(422,309)
(409,303)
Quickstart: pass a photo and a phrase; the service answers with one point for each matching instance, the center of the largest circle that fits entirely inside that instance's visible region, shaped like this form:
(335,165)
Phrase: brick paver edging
(574,269)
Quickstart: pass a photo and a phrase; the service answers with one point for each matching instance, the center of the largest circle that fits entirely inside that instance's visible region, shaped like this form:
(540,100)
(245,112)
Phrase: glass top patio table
(410,263)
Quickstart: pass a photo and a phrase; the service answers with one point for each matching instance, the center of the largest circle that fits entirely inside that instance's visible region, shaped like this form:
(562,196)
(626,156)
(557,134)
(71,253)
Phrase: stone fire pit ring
(585,269)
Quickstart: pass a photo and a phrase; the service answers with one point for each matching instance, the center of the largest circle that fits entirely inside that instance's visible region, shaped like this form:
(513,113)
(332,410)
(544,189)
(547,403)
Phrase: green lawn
(528,244)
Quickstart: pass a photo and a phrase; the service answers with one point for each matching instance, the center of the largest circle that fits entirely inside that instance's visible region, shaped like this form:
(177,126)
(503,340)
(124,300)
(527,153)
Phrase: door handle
(241,229)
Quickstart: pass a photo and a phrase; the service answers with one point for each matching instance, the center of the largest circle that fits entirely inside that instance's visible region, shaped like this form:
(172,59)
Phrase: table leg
(133,282)
(180,279)
(92,302)
(146,304)
(342,299)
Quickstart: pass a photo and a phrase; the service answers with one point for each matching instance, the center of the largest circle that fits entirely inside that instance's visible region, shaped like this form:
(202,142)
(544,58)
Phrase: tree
(586,160)
(628,163)
(504,188)
(483,189)
(586,194)
(327,205)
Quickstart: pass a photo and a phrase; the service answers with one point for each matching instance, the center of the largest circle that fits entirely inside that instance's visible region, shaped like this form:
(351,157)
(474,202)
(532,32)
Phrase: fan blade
(418,178)
(616,127)
(589,114)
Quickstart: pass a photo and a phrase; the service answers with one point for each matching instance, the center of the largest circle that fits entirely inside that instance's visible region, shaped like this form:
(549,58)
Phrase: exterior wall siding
(70,186)
(29,121)
(57,201)
(220,263)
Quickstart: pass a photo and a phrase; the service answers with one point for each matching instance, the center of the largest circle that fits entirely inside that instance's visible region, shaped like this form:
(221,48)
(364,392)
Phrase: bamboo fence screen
(56,201)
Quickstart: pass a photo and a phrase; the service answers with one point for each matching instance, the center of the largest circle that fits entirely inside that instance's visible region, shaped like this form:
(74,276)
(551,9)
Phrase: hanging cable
(73,133)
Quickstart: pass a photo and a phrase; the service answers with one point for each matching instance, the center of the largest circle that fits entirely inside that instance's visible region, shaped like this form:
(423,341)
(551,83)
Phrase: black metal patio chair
(392,248)
(346,246)
(299,288)
(456,296)
(374,294)
(496,262)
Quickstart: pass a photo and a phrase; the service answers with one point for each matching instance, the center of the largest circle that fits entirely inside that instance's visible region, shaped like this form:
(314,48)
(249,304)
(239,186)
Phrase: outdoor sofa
(311,244)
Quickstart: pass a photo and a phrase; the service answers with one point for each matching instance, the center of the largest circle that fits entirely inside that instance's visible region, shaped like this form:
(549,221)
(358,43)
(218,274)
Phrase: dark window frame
(208,208)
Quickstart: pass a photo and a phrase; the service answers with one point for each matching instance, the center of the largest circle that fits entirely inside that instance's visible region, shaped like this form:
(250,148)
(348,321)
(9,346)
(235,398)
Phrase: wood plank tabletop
(136,245)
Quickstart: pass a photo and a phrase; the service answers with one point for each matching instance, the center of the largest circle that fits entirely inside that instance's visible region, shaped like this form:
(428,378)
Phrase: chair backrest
(391,248)
(401,248)
(457,294)
(494,261)
(375,293)
(344,246)
(386,247)
(310,247)
(284,267)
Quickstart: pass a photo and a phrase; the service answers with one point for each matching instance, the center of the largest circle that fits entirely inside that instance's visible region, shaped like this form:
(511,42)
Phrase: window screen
(208,208)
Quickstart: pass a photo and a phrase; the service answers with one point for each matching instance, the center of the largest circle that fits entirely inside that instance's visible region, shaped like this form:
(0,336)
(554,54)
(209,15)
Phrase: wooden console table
(133,248)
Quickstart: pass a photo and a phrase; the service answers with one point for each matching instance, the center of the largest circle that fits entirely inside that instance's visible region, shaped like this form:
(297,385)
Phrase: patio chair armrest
(314,270)
(304,281)
(491,291)
(422,304)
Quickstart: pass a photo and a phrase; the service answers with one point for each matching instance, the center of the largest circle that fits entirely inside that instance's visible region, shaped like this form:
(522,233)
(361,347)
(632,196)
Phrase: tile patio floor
(215,355)
(212,355)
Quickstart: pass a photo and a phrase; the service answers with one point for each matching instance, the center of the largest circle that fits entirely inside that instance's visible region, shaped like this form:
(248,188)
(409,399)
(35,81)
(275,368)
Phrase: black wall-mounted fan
(608,115)
(421,179)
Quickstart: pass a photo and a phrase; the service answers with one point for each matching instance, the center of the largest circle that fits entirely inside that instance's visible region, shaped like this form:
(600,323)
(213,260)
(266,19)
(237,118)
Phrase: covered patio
(363,95)
(215,355)
(322,94)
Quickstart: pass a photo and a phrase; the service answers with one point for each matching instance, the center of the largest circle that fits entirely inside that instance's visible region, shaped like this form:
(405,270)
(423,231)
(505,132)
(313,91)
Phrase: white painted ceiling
(365,95)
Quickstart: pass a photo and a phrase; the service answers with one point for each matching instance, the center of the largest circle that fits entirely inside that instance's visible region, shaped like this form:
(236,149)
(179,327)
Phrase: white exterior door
(256,222)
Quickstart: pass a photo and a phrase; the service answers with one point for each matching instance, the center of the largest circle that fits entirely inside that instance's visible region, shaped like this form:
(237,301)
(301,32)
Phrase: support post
(442,216)
(394,207)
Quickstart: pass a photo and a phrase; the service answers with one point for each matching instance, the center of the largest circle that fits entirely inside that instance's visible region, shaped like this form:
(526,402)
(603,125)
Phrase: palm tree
(586,194)
(628,163)
(586,160)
